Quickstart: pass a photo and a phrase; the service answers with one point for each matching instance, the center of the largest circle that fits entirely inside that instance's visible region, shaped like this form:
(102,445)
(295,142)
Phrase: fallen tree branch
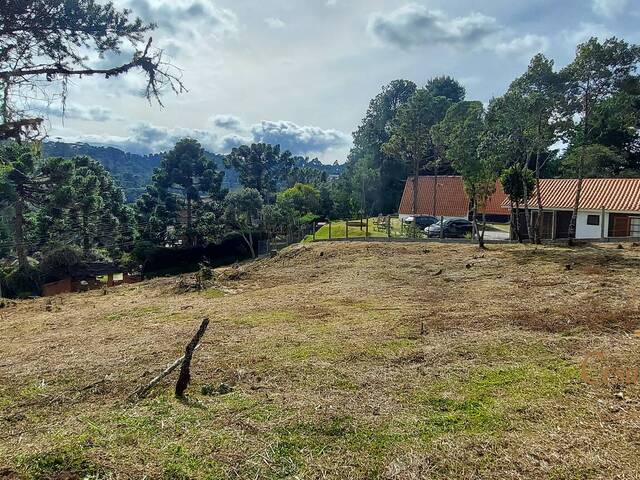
(185,375)
(144,390)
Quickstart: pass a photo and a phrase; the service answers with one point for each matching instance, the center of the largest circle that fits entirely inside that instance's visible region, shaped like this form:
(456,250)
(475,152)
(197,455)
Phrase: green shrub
(58,262)
(22,283)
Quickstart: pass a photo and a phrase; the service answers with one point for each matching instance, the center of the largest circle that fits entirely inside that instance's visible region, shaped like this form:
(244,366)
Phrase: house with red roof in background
(444,196)
(609,208)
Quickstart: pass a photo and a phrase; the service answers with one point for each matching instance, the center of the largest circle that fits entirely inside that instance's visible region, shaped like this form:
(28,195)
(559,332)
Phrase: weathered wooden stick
(185,375)
(144,390)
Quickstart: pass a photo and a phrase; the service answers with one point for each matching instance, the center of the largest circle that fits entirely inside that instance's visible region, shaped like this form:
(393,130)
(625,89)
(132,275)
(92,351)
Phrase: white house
(609,207)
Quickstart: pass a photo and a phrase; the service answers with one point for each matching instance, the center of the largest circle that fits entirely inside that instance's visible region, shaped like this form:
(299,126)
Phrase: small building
(89,276)
(609,208)
(451,201)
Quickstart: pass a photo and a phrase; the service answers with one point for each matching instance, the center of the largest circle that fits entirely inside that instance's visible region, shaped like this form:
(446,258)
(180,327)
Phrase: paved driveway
(496,235)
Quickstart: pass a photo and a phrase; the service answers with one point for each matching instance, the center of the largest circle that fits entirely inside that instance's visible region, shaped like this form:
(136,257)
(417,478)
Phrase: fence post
(346,228)
(602,223)
(441,227)
(388,226)
(314,231)
(329,229)
(366,229)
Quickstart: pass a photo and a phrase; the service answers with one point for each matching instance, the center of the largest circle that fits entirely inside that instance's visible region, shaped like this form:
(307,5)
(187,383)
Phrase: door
(563,219)
(621,226)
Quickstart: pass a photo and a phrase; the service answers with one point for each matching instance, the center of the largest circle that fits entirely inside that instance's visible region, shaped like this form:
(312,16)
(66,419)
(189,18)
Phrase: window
(593,219)
(635,227)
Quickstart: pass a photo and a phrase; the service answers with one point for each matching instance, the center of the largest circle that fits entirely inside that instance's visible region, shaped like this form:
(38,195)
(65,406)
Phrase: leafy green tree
(261,166)
(616,125)
(537,95)
(599,72)
(242,213)
(49,41)
(327,204)
(411,133)
(276,219)
(87,209)
(301,198)
(461,136)
(447,87)
(25,187)
(186,182)
(518,184)
(593,160)
(368,139)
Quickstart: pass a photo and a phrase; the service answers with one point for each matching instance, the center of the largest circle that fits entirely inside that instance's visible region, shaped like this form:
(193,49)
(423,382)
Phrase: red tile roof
(614,194)
(451,199)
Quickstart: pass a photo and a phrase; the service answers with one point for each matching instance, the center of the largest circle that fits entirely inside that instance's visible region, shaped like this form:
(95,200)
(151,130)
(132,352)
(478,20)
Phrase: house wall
(583,230)
(56,288)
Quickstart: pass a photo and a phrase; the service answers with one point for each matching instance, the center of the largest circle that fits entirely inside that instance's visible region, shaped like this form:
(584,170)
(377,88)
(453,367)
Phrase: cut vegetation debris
(338,360)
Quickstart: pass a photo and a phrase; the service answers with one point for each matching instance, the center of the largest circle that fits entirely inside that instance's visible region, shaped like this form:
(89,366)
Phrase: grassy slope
(332,377)
(338,229)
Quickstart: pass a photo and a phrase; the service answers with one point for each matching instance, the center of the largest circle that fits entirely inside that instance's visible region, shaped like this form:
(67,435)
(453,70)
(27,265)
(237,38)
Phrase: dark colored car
(422,221)
(454,228)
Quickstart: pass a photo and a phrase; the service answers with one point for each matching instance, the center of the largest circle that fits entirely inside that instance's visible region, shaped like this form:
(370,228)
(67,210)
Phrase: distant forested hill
(133,172)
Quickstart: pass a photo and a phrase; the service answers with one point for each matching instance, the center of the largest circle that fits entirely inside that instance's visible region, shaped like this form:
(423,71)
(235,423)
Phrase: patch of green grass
(319,350)
(114,317)
(319,441)
(212,293)
(339,230)
(266,318)
(144,311)
(68,459)
(182,463)
(490,399)
(138,312)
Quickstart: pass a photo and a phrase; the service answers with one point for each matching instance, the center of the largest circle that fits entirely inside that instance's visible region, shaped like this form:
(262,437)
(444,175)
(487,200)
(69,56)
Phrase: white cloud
(92,113)
(297,138)
(187,16)
(414,24)
(526,45)
(148,138)
(584,32)
(609,8)
(273,22)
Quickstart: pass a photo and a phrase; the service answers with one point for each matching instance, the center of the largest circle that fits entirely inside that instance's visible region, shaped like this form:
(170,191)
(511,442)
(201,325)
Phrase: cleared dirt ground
(346,360)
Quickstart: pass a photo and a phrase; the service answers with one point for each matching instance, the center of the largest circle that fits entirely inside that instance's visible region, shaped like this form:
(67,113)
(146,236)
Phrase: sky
(301,73)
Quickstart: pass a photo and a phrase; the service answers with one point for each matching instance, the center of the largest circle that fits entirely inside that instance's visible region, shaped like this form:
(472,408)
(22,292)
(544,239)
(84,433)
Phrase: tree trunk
(517,222)
(189,223)
(86,242)
(185,373)
(415,186)
(474,220)
(21,251)
(484,229)
(539,200)
(527,212)
(576,205)
(574,214)
(435,189)
(248,239)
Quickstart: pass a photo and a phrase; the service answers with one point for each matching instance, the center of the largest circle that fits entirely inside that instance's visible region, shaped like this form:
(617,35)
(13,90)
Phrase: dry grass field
(345,360)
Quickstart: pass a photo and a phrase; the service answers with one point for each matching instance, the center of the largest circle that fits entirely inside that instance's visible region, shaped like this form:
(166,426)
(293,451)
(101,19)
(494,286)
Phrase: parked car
(453,228)
(422,221)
